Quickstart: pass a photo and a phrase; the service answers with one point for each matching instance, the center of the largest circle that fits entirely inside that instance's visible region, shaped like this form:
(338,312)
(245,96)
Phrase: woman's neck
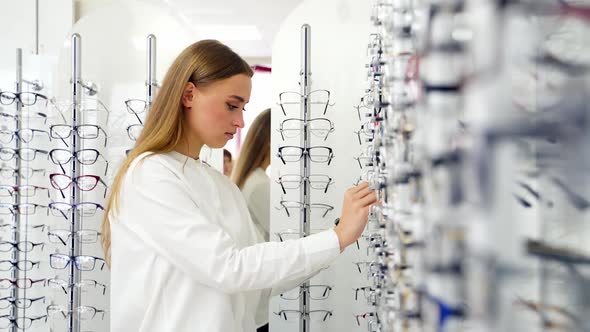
(191,150)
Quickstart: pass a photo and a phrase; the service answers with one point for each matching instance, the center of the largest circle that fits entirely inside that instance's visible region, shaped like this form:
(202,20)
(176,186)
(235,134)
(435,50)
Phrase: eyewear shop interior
(468,118)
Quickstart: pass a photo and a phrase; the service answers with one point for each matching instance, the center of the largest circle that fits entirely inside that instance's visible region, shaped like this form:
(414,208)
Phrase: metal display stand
(17,216)
(305,86)
(151,82)
(76,89)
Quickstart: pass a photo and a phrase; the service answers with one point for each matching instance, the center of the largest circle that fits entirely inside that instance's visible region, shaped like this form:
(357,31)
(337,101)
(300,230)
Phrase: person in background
(250,177)
(227,163)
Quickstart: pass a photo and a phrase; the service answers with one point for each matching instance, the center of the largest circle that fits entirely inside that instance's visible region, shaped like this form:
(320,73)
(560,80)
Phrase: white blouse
(185,255)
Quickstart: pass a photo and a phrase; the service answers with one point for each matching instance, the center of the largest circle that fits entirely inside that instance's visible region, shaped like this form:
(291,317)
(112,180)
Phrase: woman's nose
(239,120)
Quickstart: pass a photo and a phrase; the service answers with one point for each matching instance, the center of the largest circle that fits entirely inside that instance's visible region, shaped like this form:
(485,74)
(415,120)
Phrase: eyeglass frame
(75,181)
(74,155)
(76,130)
(301,289)
(17,96)
(18,172)
(281,313)
(20,319)
(306,123)
(15,300)
(15,264)
(305,152)
(17,207)
(17,190)
(76,309)
(303,178)
(132,111)
(305,205)
(129,130)
(72,285)
(16,133)
(327,102)
(14,282)
(74,259)
(17,153)
(70,233)
(75,205)
(16,244)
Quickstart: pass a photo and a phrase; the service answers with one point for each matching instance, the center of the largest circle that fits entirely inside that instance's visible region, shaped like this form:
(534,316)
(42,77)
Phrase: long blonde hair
(201,63)
(256,149)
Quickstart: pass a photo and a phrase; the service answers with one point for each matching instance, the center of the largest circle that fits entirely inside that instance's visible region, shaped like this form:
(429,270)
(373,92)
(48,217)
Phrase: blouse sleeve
(158,208)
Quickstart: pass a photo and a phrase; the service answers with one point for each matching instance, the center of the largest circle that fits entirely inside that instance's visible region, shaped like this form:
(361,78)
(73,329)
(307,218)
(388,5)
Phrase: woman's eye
(232,107)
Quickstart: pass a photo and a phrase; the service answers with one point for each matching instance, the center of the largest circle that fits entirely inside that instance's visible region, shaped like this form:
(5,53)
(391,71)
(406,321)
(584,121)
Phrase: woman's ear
(188,94)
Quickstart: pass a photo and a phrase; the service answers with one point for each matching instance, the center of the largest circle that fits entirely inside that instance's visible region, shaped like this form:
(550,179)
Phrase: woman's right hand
(355,213)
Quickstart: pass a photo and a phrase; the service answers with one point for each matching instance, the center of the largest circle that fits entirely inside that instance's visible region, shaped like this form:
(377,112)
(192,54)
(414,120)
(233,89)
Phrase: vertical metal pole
(305,87)
(151,70)
(36,27)
(74,325)
(17,217)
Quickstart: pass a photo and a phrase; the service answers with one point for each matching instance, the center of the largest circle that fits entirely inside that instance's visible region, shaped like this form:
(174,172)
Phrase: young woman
(182,249)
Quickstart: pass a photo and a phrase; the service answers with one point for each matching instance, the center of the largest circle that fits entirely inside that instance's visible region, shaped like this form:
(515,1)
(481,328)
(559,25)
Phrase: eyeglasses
(24,172)
(316,292)
(82,182)
(26,154)
(84,236)
(318,154)
(312,315)
(22,115)
(82,312)
(22,303)
(19,283)
(367,132)
(84,209)
(319,127)
(26,228)
(83,131)
(135,107)
(366,291)
(365,160)
(543,309)
(84,283)
(22,322)
(25,135)
(25,98)
(325,208)
(24,265)
(133,131)
(22,246)
(84,157)
(317,97)
(294,181)
(367,315)
(82,262)
(370,266)
(25,209)
(23,191)
(294,234)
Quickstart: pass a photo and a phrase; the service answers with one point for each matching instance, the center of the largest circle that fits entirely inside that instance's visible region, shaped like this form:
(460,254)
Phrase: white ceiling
(247,26)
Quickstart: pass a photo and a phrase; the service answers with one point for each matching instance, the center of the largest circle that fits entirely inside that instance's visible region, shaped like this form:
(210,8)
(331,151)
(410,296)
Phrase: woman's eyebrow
(241,99)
